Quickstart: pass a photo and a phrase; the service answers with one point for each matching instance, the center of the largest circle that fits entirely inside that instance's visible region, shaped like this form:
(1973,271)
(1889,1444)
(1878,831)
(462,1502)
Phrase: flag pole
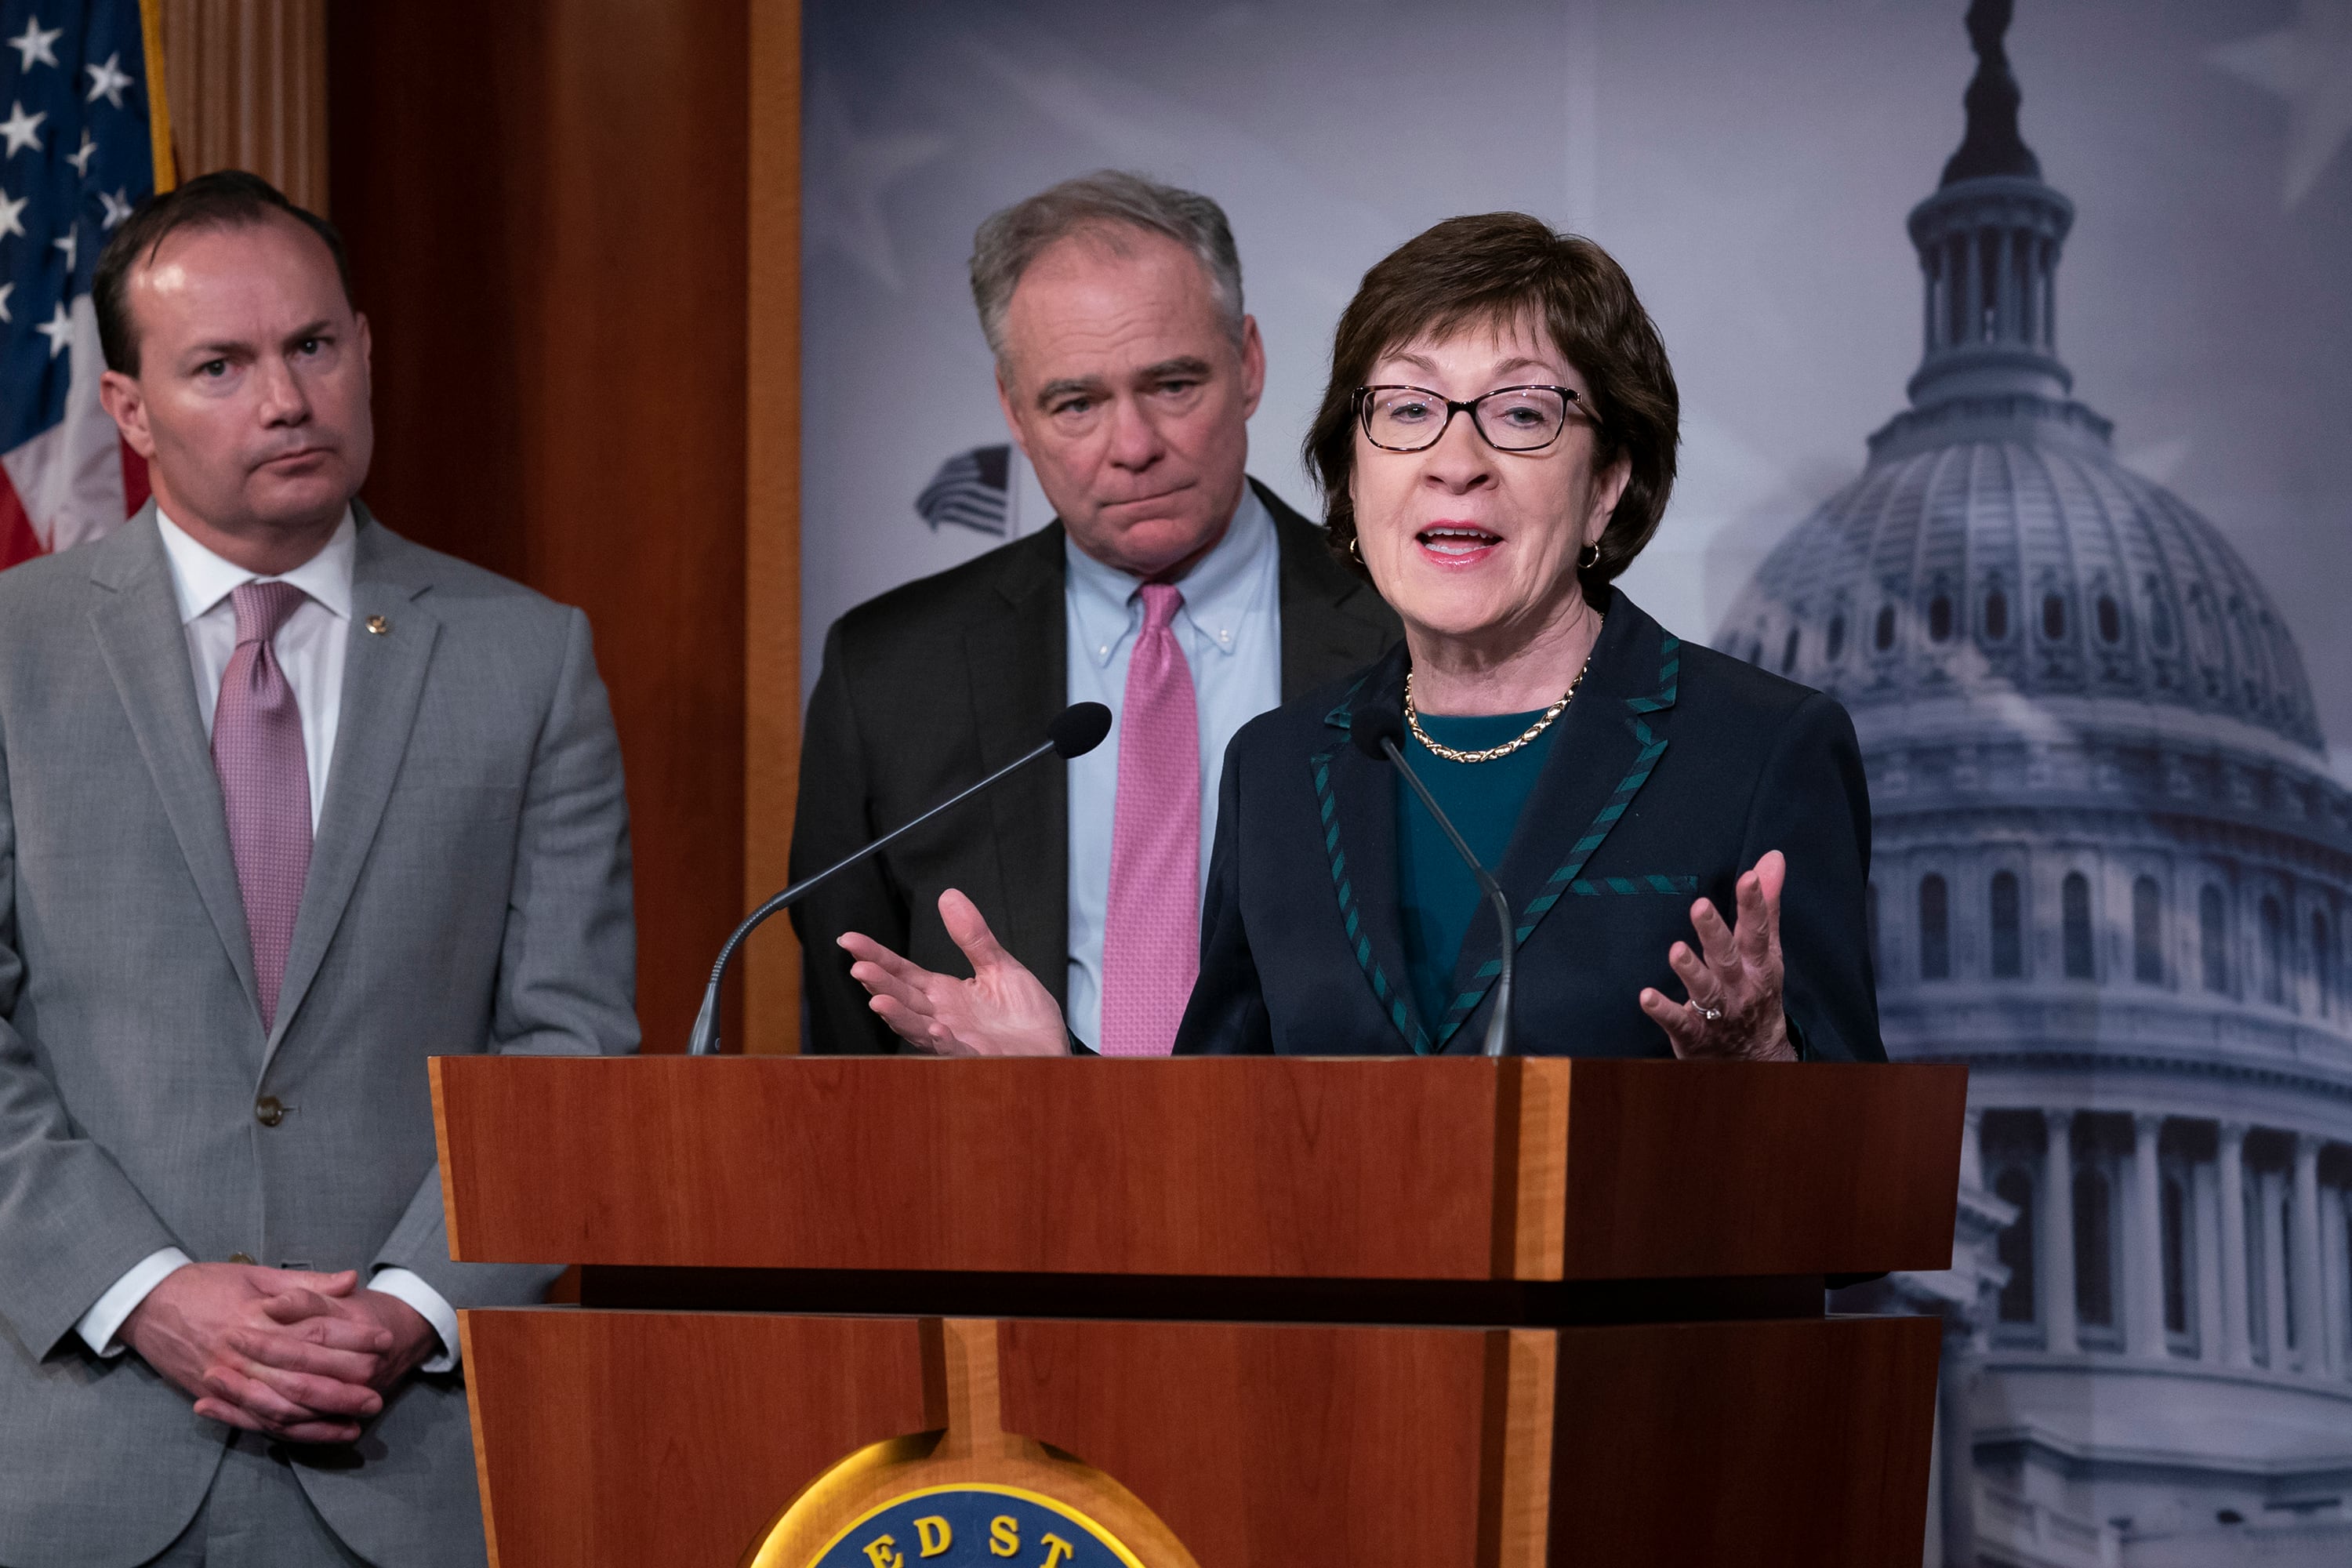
(159,111)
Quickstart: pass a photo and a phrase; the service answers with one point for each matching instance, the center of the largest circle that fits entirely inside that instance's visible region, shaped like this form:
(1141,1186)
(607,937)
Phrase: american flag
(971,490)
(77,154)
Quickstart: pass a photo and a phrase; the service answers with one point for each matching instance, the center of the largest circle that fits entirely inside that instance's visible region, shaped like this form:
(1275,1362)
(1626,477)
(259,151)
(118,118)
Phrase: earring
(1592,558)
(1355,548)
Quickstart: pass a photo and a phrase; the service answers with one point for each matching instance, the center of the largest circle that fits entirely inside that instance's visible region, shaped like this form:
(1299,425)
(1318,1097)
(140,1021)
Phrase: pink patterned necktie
(264,781)
(1152,933)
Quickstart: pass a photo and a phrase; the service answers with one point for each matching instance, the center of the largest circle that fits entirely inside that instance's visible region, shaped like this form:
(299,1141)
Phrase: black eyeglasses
(1509,419)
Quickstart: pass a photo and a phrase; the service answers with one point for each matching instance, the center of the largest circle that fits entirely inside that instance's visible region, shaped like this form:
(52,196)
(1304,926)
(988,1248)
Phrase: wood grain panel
(1531,1138)
(1826,1168)
(1766,1445)
(1273,1168)
(1802,1443)
(1260,1444)
(771,1012)
(545,205)
(247,84)
(1514,1462)
(628,1438)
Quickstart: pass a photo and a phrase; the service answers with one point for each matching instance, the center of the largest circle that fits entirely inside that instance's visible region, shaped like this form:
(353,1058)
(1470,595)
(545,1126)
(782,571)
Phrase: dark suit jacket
(1674,770)
(931,687)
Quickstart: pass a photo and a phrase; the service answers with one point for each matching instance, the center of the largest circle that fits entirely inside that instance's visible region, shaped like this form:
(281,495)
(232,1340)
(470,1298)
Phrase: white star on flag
(118,207)
(5,290)
(34,44)
(71,239)
(22,130)
(2310,66)
(80,161)
(9,222)
(108,80)
(58,329)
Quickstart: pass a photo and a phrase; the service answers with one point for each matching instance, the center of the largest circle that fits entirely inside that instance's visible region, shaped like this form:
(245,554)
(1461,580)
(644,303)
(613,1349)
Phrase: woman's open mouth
(1456,543)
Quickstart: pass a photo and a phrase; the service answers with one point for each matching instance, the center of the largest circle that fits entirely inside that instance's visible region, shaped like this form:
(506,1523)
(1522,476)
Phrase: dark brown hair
(229,199)
(1499,269)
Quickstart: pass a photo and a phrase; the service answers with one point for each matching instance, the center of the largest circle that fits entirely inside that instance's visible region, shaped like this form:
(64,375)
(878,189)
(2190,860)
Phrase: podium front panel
(1274,1168)
(608,1440)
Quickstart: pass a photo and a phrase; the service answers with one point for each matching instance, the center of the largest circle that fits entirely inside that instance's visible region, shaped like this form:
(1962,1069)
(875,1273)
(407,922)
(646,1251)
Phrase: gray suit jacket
(469,891)
(934,684)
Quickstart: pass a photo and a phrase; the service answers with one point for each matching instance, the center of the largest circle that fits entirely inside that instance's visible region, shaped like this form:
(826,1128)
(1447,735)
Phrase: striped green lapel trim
(1390,998)
(1604,821)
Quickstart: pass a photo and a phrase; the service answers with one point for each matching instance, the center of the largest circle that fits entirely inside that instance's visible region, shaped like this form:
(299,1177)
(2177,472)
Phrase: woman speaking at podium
(1683,840)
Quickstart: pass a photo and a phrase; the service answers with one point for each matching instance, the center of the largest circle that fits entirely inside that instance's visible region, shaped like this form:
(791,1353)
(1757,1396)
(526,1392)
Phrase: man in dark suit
(1172,587)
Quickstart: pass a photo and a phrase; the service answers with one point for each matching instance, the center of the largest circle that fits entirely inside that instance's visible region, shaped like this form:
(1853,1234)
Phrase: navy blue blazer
(1674,770)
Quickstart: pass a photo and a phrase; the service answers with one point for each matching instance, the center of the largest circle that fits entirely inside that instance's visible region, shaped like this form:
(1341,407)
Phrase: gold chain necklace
(1412,718)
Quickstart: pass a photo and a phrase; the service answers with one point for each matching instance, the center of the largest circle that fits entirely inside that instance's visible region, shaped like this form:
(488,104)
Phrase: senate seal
(967,1494)
(970,1525)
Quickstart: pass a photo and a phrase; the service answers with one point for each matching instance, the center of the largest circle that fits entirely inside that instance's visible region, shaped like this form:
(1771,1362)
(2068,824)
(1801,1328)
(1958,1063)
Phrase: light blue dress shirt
(1230,628)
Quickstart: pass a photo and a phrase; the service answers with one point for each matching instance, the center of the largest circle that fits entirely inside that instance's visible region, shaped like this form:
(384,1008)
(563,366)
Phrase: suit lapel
(1332,622)
(383,677)
(146,652)
(1019,683)
(1356,798)
(1609,741)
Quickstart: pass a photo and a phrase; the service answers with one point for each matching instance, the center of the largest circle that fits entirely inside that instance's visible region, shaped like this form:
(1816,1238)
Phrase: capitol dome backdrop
(2084,591)
(2110,872)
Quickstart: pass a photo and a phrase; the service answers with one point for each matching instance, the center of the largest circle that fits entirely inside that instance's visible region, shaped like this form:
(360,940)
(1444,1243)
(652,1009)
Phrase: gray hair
(1107,199)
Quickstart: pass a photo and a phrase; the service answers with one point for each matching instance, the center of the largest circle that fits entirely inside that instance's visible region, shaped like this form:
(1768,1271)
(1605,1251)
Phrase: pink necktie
(1152,933)
(264,781)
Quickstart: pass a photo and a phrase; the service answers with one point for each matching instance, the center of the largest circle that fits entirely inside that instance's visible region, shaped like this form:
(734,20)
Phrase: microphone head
(1079,729)
(1373,723)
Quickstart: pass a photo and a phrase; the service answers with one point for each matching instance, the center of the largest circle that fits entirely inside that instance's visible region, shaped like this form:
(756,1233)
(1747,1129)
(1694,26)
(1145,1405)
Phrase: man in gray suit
(288,804)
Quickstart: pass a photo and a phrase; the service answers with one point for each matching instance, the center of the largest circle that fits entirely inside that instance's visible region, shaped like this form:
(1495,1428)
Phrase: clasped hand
(300,1356)
(1733,980)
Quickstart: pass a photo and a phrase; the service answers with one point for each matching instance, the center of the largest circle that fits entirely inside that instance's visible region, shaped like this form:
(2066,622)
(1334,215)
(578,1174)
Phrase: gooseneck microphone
(1376,734)
(1079,729)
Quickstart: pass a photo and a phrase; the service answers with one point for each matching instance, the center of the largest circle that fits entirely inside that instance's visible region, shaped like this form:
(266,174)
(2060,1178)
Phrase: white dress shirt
(310,648)
(1230,628)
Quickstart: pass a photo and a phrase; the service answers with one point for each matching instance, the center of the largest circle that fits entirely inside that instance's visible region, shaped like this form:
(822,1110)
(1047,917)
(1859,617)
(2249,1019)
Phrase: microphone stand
(1498,1023)
(1070,738)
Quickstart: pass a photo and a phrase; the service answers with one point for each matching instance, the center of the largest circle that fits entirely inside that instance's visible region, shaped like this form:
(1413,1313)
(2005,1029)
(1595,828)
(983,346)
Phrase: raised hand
(1734,981)
(1002,1011)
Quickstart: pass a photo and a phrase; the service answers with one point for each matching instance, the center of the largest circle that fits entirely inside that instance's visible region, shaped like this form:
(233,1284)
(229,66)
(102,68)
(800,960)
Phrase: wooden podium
(1355,1314)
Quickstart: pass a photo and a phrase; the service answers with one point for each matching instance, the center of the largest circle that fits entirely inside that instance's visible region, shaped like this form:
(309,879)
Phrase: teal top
(1437,896)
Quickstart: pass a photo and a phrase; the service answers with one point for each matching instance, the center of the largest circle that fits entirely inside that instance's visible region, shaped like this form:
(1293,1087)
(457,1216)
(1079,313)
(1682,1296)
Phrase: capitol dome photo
(2111,873)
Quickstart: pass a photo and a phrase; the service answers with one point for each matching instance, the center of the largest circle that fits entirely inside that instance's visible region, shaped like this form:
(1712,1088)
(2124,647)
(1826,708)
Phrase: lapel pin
(378,627)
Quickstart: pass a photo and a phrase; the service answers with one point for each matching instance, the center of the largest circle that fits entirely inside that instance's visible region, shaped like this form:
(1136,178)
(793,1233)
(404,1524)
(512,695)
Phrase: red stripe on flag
(135,489)
(18,542)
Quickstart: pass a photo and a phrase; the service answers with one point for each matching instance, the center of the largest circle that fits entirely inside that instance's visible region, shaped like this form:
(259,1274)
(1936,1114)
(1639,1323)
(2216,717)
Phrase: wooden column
(247,86)
(770,1017)
(546,203)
